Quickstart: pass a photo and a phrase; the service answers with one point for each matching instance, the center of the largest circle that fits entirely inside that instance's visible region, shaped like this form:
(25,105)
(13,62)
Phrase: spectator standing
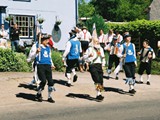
(109,36)
(85,38)
(14,36)
(3,37)
(102,39)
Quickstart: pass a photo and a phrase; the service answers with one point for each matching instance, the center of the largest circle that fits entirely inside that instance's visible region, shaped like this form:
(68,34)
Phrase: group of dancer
(81,46)
(121,51)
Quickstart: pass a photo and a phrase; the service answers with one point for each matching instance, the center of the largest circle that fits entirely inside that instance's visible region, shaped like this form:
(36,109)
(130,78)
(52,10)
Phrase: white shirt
(102,38)
(32,53)
(120,38)
(85,35)
(3,33)
(3,43)
(109,38)
(68,47)
(100,59)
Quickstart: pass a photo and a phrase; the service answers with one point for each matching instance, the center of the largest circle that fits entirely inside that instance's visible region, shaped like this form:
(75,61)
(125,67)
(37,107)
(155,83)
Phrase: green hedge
(57,60)
(140,28)
(11,61)
(16,62)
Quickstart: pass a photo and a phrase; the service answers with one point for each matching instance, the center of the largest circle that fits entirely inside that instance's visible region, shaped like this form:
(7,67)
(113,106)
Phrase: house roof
(154,13)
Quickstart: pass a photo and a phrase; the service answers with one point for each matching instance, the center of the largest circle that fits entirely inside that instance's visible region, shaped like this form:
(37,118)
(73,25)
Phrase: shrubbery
(11,61)
(142,29)
(16,62)
(57,60)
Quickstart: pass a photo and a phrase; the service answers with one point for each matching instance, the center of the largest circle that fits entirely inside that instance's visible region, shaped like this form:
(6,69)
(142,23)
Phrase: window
(25,23)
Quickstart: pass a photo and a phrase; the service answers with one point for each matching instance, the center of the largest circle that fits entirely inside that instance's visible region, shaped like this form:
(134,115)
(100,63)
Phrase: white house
(26,13)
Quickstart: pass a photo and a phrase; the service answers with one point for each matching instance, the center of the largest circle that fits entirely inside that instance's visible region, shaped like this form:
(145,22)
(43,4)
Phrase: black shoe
(148,83)
(68,84)
(132,91)
(39,97)
(136,81)
(107,77)
(65,74)
(51,100)
(116,78)
(75,78)
(99,97)
(140,82)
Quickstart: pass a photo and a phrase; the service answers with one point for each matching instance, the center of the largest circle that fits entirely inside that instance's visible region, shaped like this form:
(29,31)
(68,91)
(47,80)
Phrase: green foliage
(140,28)
(11,61)
(85,9)
(155,66)
(99,21)
(122,10)
(57,60)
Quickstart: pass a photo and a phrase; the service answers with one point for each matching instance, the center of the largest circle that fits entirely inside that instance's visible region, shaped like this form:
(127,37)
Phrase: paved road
(78,102)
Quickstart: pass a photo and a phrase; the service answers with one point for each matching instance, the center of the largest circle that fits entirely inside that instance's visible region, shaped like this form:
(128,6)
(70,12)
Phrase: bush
(11,61)
(142,29)
(100,24)
(155,66)
(57,60)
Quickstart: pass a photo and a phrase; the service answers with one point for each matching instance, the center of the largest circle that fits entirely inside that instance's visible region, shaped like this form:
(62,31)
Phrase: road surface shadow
(30,87)
(26,96)
(108,77)
(117,90)
(61,82)
(82,96)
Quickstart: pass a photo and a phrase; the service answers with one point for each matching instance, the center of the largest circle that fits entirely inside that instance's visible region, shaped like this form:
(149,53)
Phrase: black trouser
(84,45)
(113,59)
(71,63)
(102,45)
(145,66)
(44,73)
(129,69)
(96,72)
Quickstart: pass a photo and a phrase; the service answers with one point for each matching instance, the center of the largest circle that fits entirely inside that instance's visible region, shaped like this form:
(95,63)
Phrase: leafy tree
(121,10)
(100,24)
(105,8)
(85,9)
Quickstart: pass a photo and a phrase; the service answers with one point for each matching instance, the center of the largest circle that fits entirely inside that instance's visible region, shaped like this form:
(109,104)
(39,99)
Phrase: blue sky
(87,0)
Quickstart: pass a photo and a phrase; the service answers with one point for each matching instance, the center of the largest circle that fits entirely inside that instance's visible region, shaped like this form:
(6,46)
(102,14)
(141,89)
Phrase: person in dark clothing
(14,35)
(146,56)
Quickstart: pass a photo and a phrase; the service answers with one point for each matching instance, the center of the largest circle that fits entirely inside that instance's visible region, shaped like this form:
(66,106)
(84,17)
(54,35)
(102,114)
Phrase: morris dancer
(113,49)
(44,67)
(129,63)
(146,56)
(71,55)
(94,55)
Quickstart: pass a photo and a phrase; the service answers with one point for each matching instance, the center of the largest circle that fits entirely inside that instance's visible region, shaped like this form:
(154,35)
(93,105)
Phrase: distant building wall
(154,13)
(63,10)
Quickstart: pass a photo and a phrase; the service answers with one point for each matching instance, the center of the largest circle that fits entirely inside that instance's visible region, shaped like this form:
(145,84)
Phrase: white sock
(109,72)
(116,74)
(148,77)
(131,87)
(98,93)
(40,91)
(74,71)
(69,78)
(141,78)
(49,94)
